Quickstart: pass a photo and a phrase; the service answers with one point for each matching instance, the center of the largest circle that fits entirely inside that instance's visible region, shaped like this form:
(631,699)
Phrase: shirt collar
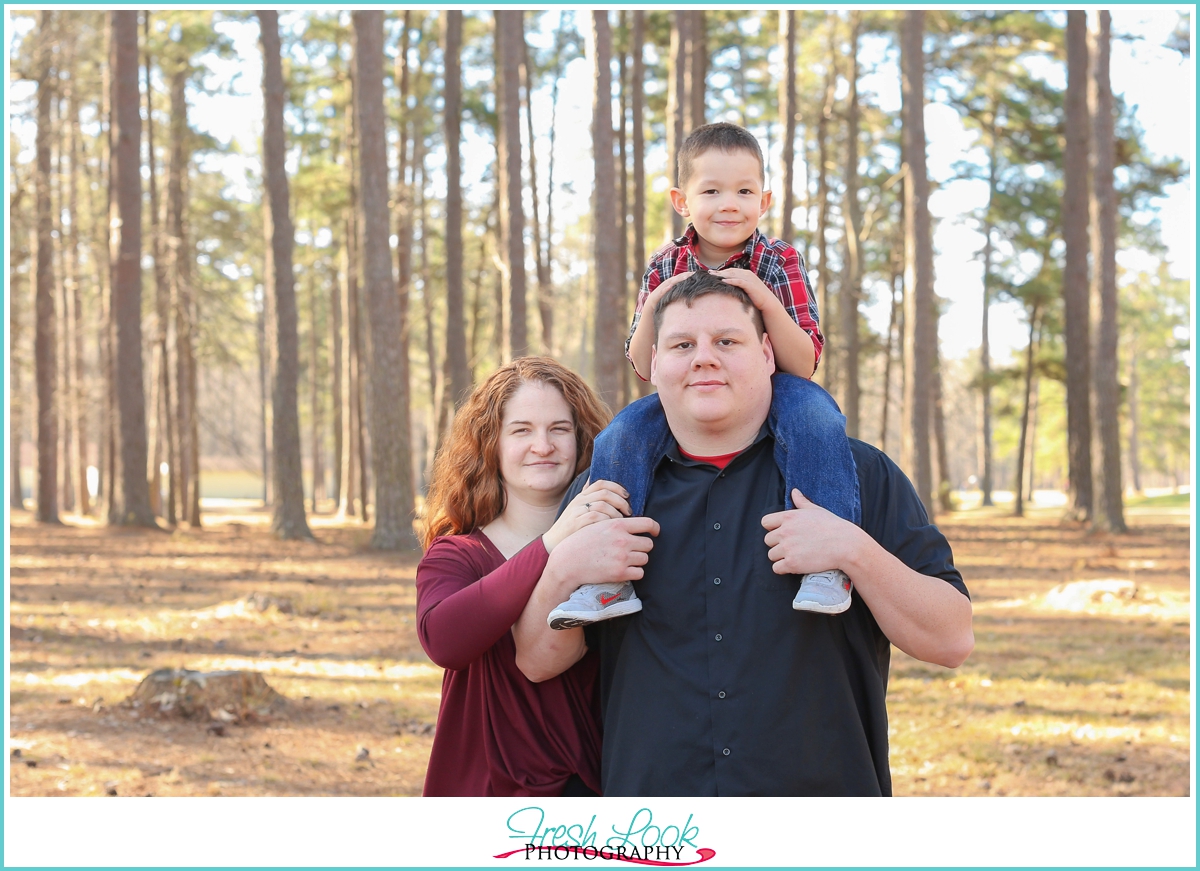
(691,241)
(671,451)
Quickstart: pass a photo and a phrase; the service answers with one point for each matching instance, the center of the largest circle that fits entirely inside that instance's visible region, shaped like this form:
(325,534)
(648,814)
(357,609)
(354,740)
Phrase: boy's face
(724,198)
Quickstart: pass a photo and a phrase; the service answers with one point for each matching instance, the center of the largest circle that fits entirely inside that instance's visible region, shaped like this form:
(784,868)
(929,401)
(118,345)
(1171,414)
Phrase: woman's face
(537,445)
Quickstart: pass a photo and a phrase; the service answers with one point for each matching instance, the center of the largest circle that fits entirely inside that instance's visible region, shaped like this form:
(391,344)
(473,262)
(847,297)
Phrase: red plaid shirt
(777,263)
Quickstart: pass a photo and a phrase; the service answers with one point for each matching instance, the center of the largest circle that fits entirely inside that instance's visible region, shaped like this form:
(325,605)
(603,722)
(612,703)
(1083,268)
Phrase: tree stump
(225,696)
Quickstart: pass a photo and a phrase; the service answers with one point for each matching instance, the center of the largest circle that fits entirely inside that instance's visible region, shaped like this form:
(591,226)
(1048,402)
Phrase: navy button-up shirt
(718,687)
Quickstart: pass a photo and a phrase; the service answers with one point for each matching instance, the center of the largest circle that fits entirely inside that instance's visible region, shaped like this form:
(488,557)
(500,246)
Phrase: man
(717,687)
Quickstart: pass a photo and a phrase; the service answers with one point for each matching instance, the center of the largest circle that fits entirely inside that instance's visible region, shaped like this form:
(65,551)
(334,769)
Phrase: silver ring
(587,506)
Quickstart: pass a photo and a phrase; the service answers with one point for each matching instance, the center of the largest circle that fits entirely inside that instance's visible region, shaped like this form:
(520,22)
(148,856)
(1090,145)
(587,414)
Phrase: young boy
(721,180)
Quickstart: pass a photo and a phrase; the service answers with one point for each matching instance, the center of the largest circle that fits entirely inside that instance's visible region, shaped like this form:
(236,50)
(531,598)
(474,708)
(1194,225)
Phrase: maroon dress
(498,733)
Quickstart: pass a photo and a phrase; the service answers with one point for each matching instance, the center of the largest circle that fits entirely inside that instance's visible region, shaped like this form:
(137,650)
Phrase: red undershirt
(720,461)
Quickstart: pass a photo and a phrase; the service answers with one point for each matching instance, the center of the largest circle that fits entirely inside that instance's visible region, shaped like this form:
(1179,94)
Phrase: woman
(516,446)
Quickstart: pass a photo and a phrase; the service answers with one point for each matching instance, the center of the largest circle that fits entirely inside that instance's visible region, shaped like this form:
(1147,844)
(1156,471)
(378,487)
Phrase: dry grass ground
(1092,701)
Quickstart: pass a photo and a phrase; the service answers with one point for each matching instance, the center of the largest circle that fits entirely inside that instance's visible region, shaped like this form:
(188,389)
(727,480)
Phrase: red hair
(465,490)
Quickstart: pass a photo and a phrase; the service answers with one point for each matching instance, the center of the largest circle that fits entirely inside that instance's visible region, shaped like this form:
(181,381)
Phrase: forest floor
(1071,691)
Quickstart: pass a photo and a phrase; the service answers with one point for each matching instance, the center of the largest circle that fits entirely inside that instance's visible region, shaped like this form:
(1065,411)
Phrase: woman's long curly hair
(465,490)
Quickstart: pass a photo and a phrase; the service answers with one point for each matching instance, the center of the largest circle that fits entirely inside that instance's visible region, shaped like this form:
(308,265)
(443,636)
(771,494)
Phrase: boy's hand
(656,294)
(758,292)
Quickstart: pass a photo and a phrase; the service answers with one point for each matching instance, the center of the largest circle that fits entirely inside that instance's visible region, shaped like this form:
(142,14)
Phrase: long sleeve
(465,603)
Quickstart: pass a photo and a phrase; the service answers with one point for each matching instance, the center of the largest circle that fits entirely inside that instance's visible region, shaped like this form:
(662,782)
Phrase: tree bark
(351,457)
(1075,271)
(456,334)
(920,330)
(390,448)
(288,520)
(985,355)
(787,117)
(607,326)
(335,358)
(852,268)
(44,343)
(76,401)
(316,441)
(164,429)
(637,87)
(188,461)
(1135,465)
(823,273)
(627,298)
(1109,514)
(132,493)
(545,293)
(697,70)
(1019,489)
(510,37)
(677,101)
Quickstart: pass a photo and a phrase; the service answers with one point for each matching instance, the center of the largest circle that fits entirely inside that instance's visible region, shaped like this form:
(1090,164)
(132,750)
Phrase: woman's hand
(599,500)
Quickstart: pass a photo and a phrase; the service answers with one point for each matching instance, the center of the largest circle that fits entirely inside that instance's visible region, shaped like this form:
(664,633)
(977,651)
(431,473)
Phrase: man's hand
(607,551)
(810,539)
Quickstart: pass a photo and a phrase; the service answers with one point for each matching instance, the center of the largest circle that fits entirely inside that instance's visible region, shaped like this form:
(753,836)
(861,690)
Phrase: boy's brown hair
(721,136)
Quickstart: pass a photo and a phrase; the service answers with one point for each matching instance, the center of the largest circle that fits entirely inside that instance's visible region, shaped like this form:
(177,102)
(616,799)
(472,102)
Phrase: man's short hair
(702,283)
(723,137)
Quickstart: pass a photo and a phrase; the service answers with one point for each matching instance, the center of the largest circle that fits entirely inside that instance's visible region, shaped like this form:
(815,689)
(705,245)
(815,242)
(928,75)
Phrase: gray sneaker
(592,603)
(824,592)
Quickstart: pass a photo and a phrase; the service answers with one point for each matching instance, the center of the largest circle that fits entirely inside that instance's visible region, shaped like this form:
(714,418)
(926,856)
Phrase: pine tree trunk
(852,271)
(607,336)
(985,355)
(1135,465)
(45,351)
(132,493)
(545,293)
(288,520)
(626,289)
(456,334)
(510,37)
(787,118)
(348,493)
(164,430)
(677,102)
(404,223)
(920,330)
(1075,271)
(188,463)
(316,440)
(1109,512)
(638,264)
(890,343)
(390,447)
(944,502)
(1018,489)
(697,73)
(335,359)
(829,370)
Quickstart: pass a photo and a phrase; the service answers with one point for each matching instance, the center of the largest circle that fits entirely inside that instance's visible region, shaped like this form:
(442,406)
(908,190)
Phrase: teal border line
(431,5)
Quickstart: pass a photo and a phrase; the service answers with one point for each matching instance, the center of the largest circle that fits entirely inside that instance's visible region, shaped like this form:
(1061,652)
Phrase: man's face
(723,199)
(711,368)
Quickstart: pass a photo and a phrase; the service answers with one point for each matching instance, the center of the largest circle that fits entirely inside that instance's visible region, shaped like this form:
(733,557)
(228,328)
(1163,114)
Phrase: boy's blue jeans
(811,447)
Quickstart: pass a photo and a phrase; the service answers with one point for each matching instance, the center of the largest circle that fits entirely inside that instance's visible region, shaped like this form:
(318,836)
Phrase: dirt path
(1063,702)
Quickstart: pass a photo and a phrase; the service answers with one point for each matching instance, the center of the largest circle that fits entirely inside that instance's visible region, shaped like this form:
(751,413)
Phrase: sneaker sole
(822,609)
(569,620)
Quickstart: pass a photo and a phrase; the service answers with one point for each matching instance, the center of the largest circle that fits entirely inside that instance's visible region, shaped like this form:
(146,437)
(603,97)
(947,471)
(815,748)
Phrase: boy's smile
(724,200)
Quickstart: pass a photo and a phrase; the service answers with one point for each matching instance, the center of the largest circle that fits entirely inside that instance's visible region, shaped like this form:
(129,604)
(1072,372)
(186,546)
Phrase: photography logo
(641,842)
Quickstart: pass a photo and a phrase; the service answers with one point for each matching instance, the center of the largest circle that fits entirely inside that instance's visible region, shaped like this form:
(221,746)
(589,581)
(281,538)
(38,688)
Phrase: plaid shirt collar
(690,241)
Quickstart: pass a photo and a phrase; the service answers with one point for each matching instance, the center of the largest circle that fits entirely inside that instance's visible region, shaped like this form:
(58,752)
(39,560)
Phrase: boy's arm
(795,352)
(641,342)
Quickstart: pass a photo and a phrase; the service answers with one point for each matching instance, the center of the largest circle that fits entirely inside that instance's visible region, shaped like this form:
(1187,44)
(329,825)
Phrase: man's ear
(766,203)
(769,352)
(679,202)
(653,363)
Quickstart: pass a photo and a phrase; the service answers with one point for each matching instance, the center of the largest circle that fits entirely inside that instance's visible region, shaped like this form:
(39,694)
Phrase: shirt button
(721,694)
(716,526)
(717,581)
(725,751)
(718,636)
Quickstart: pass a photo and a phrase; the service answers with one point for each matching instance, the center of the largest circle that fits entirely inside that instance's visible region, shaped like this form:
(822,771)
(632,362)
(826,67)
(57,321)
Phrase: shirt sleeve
(460,614)
(894,516)
(651,280)
(789,280)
